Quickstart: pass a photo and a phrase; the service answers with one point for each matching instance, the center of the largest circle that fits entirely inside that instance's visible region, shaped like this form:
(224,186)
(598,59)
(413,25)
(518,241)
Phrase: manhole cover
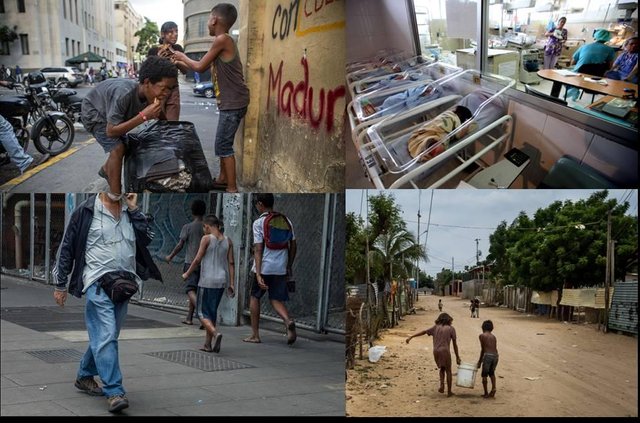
(206,362)
(57,356)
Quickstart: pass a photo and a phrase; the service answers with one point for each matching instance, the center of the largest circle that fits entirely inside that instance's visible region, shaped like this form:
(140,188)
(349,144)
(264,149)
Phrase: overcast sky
(161,12)
(475,213)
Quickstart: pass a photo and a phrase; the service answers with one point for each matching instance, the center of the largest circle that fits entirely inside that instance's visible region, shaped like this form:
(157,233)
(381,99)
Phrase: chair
(595,69)
(569,173)
(530,90)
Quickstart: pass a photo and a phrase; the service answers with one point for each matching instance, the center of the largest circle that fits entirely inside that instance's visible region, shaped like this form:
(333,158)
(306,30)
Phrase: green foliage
(7,34)
(148,36)
(564,244)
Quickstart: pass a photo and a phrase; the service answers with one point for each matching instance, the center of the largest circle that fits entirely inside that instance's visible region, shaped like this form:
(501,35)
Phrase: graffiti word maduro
(286,20)
(298,99)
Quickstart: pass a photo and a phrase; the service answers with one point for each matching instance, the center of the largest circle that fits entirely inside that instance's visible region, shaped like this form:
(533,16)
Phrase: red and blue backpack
(277,231)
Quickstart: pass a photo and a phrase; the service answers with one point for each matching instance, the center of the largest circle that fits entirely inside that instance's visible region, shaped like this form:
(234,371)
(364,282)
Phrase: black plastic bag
(166,156)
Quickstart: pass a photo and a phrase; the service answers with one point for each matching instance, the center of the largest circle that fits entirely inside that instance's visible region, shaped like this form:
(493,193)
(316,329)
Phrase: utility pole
(477,254)
(368,300)
(607,276)
(453,278)
(418,242)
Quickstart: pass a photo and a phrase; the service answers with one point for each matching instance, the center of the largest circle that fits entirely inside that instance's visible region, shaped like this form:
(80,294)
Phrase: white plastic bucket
(466,375)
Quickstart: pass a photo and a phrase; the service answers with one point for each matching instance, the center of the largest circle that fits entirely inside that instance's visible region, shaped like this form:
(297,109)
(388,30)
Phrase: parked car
(67,76)
(205,89)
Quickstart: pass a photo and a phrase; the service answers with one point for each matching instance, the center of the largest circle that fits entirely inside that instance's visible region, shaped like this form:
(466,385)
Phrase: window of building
(64,9)
(24,43)
(79,50)
(66,42)
(73,47)
(76,2)
(4,48)
(1,6)
(21,8)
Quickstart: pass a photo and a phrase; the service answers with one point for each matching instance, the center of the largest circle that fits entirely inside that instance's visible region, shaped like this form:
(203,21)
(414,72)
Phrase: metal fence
(33,226)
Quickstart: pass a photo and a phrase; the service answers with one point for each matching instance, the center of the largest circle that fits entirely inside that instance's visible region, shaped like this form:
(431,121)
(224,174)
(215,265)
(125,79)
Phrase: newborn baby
(426,142)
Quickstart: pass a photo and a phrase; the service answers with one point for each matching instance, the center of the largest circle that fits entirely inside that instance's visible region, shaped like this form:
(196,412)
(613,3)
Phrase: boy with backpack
(232,93)
(274,251)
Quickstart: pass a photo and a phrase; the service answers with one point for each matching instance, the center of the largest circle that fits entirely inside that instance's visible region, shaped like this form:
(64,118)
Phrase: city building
(127,22)
(49,32)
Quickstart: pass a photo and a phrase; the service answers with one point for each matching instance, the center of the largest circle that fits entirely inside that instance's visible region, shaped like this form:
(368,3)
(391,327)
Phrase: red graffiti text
(297,100)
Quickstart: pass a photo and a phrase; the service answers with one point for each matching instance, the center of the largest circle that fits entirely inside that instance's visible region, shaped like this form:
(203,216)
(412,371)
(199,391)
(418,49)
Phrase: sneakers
(117,403)
(36,163)
(89,385)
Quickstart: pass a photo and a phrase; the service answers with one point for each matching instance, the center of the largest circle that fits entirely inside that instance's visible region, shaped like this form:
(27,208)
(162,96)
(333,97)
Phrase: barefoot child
(217,271)
(488,357)
(443,333)
(440,305)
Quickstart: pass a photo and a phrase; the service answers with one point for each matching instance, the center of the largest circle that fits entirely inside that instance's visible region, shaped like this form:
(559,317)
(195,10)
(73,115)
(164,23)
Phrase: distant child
(217,271)
(232,94)
(116,106)
(191,234)
(440,305)
(472,307)
(443,333)
(477,303)
(488,357)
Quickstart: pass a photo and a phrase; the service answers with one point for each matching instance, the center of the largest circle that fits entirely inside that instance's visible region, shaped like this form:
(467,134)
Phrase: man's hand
(261,283)
(60,297)
(231,291)
(168,259)
(132,200)
(185,276)
(178,56)
(458,361)
(153,110)
(408,339)
(479,364)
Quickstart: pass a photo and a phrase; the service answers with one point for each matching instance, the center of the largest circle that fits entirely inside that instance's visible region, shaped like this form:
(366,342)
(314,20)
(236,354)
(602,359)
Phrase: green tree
(355,254)
(398,252)
(564,244)
(148,36)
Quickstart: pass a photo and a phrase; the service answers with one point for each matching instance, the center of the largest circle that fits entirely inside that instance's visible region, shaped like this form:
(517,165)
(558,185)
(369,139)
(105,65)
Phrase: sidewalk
(243,379)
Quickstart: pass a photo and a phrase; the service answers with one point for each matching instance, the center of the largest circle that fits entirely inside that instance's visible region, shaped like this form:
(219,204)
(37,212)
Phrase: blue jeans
(228,123)
(10,143)
(104,320)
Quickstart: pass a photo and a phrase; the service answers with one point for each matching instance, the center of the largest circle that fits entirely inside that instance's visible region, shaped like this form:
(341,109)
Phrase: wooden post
(607,274)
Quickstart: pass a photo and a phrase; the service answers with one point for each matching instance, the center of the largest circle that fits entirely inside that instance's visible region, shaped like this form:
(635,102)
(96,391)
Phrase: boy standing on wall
(232,94)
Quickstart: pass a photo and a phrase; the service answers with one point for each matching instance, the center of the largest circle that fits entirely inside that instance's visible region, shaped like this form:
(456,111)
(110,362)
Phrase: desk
(614,88)
(500,62)
(596,107)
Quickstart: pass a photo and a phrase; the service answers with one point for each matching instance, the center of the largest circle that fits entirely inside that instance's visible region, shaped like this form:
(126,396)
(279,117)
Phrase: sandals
(291,333)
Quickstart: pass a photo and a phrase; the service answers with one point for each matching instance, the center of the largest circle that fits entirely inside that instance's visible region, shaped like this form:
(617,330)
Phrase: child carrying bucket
(488,357)
(443,333)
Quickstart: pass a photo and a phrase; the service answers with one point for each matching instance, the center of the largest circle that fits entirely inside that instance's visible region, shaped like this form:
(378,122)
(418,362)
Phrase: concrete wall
(294,61)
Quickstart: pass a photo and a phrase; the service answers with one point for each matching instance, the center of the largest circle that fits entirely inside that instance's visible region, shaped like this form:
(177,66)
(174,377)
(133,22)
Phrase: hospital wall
(294,57)
(374,25)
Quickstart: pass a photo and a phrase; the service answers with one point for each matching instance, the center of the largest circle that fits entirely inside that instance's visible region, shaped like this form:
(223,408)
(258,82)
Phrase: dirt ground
(546,368)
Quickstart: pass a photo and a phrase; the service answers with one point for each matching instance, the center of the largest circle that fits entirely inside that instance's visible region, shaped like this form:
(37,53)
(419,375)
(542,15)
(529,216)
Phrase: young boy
(191,234)
(271,268)
(440,306)
(217,271)
(443,333)
(116,106)
(488,357)
(232,94)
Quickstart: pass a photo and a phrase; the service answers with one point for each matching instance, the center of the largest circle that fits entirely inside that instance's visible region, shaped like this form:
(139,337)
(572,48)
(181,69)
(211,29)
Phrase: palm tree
(397,252)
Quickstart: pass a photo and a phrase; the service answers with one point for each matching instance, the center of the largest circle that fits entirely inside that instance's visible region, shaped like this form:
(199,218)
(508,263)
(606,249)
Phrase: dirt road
(546,368)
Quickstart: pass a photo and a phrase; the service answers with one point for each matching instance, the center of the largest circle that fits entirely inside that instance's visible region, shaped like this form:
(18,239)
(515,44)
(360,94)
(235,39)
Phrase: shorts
(277,285)
(228,124)
(191,284)
(108,144)
(208,302)
(489,363)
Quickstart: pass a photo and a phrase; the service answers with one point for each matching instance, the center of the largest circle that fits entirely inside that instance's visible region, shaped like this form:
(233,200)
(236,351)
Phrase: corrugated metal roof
(623,314)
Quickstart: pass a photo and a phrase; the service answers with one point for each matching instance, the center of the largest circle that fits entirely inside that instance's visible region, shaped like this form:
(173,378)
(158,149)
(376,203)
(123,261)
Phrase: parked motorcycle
(67,101)
(52,132)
